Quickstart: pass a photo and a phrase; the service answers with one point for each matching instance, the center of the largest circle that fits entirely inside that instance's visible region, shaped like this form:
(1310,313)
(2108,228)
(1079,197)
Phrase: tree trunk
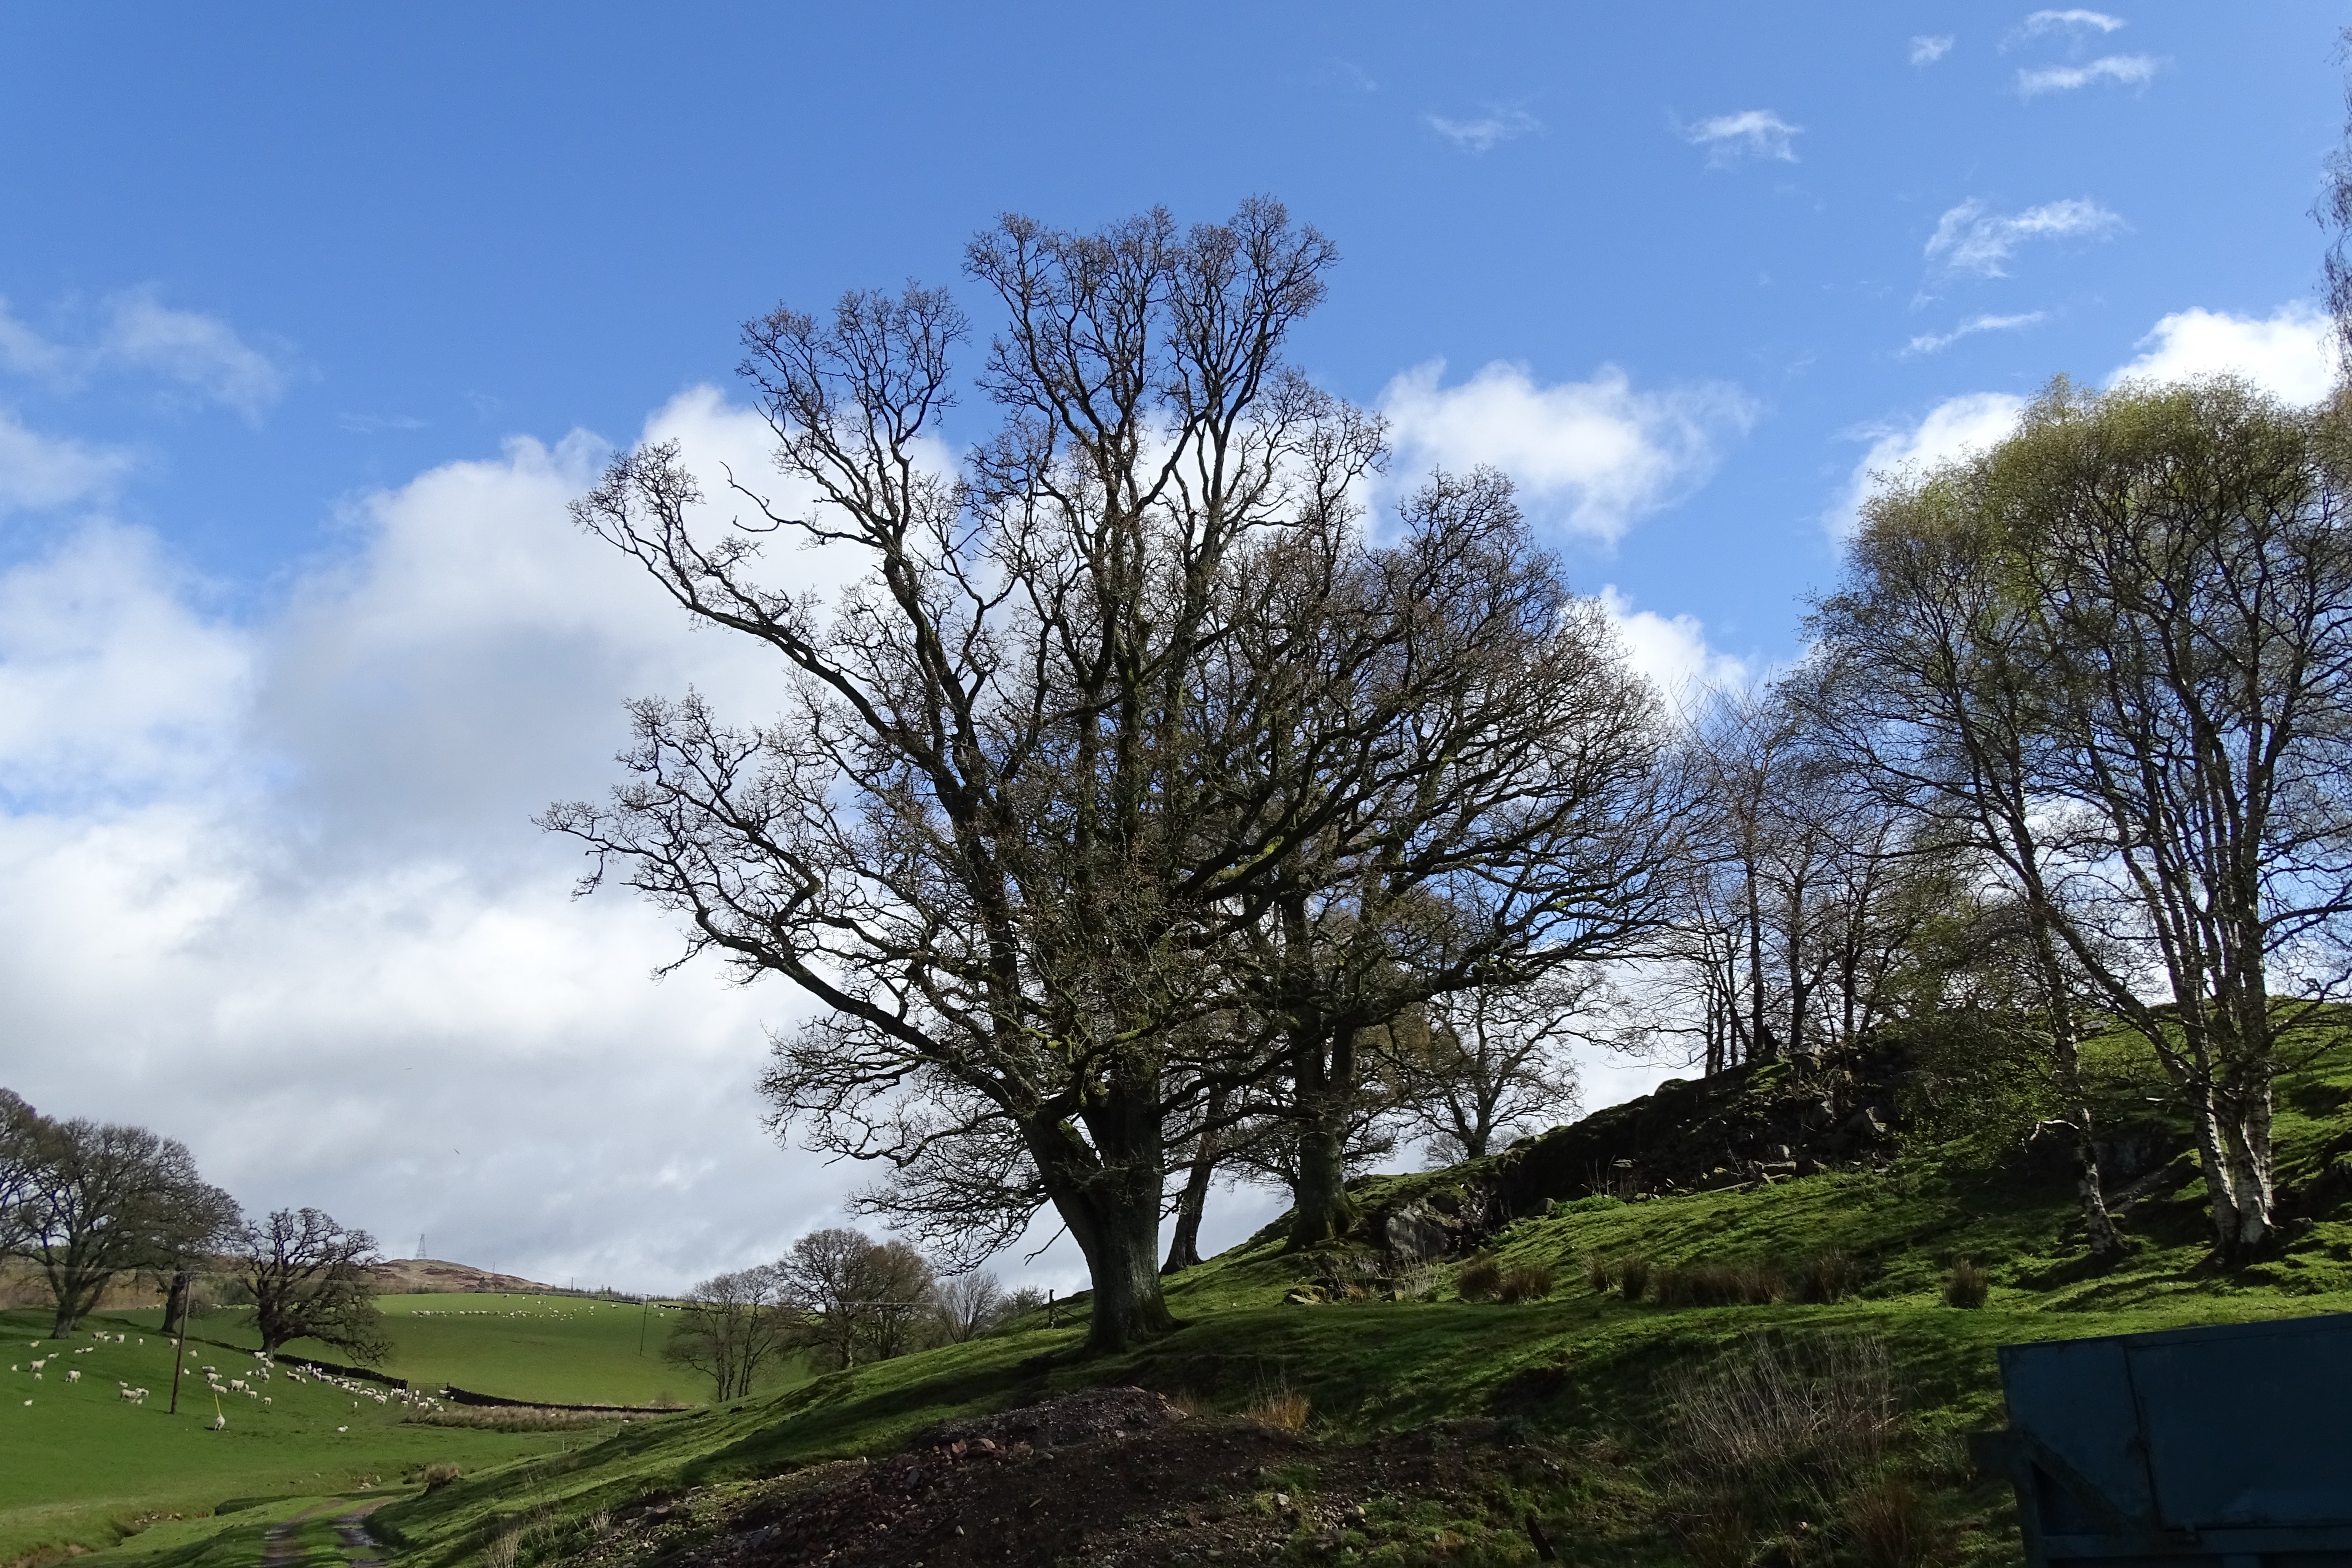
(2234,1152)
(175,1304)
(1185,1250)
(1109,1197)
(1323,1211)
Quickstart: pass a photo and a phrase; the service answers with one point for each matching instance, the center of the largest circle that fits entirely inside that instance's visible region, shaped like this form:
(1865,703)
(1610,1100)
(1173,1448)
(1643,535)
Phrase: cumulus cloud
(1936,342)
(2075,21)
(2128,70)
(1671,651)
(1750,133)
(40,472)
(1593,456)
(1926,49)
(1971,237)
(1495,126)
(1953,428)
(2290,354)
(275,890)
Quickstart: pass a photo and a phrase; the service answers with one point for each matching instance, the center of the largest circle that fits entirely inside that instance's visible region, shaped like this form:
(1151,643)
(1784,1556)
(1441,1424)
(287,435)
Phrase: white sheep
(265,1402)
(73,1374)
(219,1422)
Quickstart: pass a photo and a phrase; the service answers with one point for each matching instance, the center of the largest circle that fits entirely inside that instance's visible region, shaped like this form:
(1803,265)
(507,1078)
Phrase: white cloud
(1936,342)
(39,472)
(1750,133)
(1926,49)
(2129,69)
(275,890)
(24,351)
(1970,237)
(1595,456)
(202,353)
(1953,428)
(2290,354)
(1497,125)
(1672,651)
(208,360)
(2076,20)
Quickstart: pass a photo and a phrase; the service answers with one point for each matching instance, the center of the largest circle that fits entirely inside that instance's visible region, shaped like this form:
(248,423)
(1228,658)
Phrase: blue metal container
(2230,1445)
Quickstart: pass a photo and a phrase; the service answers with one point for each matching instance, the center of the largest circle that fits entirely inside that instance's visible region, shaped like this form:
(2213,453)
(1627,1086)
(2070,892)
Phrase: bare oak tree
(309,1278)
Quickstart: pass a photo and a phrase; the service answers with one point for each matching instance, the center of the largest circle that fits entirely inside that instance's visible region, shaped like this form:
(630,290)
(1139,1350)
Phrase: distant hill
(429,1276)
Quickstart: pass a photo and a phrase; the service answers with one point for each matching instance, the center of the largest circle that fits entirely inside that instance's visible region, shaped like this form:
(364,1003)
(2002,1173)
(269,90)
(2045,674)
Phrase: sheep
(73,1375)
(237,1383)
(265,1402)
(219,1422)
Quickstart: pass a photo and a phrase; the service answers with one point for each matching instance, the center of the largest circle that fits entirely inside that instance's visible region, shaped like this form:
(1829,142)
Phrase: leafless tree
(980,839)
(309,1278)
(731,1325)
(1503,806)
(1493,1063)
(106,1200)
(968,1305)
(20,1147)
(863,1300)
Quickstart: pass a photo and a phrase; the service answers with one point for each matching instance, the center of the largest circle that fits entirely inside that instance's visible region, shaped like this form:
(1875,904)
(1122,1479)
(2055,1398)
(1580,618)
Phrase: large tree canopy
(1129,772)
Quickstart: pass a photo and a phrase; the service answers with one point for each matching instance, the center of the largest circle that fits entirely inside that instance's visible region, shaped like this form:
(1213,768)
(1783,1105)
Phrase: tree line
(87,1204)
(839,1299)
(1147,809)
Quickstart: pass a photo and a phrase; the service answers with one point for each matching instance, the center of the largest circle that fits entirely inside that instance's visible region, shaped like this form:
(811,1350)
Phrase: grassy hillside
(1597,1385)
(77,1465)
(1570,1419)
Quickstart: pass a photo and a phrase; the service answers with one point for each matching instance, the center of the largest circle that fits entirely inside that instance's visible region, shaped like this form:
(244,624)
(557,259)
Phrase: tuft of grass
(1478,1280)
(1966,1284)
(1633,1274)
(1525,1281)
(1284,1407)
(1889,1525)
(1827,1277)
(1598,1273)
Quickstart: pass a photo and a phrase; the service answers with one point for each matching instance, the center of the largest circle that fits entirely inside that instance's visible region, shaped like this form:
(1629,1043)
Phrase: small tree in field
(732,1325)
(309,1279)
(967,1306)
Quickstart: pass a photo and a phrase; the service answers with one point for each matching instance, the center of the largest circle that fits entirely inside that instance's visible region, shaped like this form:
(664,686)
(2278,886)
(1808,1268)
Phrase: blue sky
(313,316)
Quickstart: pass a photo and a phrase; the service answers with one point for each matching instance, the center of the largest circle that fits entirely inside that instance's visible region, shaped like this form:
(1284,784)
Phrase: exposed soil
(1110,1477)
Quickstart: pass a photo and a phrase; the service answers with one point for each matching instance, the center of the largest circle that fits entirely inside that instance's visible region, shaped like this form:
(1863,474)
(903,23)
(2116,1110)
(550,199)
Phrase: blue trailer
(2229,1445)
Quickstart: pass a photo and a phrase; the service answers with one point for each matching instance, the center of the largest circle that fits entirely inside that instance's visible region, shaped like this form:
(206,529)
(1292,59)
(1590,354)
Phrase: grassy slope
(76,1463)
(1583,1366)
(560,1350)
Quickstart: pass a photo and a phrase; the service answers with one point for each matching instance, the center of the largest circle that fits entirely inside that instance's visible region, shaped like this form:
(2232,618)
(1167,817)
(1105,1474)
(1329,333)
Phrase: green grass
(79,1466)
(1584,1369)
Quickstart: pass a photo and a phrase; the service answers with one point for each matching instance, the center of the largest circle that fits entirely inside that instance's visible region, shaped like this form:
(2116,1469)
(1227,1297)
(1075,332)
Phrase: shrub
(1749,1284)
(1966,1285)
(1478,1280)
(1827,1277)
(1889,1525)
(1525,1282)
(1632,1273)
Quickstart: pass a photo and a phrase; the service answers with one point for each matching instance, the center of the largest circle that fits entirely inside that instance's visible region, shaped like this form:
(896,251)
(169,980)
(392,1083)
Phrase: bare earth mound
(1123,1477)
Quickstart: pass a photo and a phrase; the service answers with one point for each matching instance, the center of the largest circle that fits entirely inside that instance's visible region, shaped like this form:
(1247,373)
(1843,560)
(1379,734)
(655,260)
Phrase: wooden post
(179,1354)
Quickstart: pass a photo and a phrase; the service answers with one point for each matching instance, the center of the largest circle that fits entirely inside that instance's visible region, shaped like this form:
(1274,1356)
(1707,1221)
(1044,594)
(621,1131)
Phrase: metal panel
(2075,1399)
(2246,1425)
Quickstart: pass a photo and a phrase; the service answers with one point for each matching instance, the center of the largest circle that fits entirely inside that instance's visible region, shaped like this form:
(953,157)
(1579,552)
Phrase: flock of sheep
(264,1369)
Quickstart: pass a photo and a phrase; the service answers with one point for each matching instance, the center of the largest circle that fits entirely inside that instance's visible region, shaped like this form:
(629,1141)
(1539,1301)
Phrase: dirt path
(281,1547)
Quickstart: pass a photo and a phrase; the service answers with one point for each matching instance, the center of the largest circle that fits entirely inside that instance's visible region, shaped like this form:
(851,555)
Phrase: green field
(79,1466)
(559,1349)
